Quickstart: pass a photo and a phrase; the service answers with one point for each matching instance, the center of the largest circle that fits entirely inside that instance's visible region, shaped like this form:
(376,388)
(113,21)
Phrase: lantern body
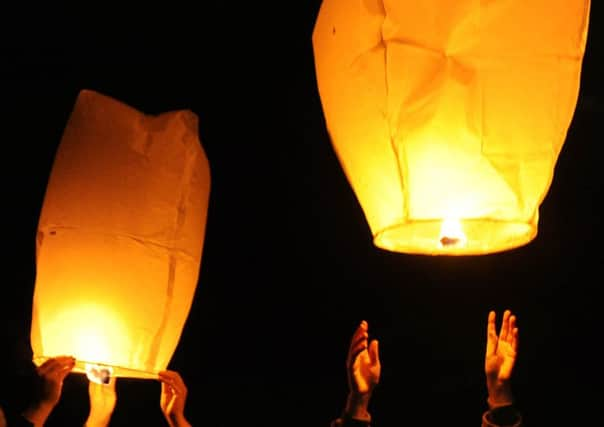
(120,238)
(449,112)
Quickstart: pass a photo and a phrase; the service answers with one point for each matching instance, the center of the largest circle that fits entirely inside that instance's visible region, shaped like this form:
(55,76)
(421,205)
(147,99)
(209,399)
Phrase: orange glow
(439,107)
(120,239)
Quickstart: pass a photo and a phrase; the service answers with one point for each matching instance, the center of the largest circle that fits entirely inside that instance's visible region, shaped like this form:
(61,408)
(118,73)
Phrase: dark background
(288,268)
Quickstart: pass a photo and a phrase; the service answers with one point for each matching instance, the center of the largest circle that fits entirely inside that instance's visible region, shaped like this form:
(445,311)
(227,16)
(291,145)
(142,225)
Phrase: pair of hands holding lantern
(103,398)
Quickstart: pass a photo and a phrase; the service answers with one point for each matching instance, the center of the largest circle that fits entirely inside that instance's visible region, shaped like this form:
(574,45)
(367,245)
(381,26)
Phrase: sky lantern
(448,116)
(120,239)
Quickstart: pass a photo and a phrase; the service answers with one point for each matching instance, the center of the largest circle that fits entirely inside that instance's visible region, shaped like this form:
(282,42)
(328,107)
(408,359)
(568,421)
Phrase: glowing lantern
(120,239)
(448,116)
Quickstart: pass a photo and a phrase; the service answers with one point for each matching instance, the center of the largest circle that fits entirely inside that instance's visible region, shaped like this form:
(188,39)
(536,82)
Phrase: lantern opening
(99,374)
(99,371)
(455,237)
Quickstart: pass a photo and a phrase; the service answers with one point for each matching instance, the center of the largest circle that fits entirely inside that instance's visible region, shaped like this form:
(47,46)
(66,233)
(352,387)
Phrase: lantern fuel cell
(120,238)
(441,109)
(99,374)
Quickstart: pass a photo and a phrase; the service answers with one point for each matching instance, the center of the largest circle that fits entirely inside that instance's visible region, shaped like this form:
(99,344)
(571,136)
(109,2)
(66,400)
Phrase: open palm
(363,362)
(501,350)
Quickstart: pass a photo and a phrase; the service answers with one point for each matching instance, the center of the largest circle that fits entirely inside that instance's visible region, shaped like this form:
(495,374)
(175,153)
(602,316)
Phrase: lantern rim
(118,371)
(483,237)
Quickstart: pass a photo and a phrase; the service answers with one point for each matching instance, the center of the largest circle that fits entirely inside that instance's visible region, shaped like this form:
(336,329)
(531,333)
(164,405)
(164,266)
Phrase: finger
(359,333)
(374,353)
(111,383)
(356,350)
(491,334)
(109,386)
(168,376)
(47,366)
(180,383)
(173,380)
(60,368)
(55,364)
(63,372)
(505,326)
(515,340)
(512,325)
(167,390)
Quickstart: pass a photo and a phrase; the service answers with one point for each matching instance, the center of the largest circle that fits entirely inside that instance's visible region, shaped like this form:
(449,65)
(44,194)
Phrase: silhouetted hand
(173,398)
(102,403)
(363,367)
(52,372)
(500,358)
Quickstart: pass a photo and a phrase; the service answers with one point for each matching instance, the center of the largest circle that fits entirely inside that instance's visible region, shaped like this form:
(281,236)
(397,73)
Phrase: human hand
(52,374)
(102,403)
(363,368)
(173,398)
(500,358)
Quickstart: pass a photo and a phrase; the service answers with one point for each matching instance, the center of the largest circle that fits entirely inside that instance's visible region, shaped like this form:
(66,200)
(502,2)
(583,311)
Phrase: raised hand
(363,362)
(363,368)
(52,373)
(102,403)
(500,358)
(173,398)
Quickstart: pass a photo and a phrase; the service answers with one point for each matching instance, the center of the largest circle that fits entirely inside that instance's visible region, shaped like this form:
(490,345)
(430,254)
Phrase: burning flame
(451,234)
(99,374)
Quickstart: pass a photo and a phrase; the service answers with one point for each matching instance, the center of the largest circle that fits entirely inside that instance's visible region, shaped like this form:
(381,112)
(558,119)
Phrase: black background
(288,268)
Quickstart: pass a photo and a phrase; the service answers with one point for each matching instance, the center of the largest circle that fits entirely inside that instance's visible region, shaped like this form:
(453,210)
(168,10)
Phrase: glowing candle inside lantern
(98,373)
(451,233)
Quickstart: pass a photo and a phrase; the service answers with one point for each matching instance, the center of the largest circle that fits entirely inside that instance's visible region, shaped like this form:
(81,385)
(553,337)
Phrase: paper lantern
(120,239)
(448,116)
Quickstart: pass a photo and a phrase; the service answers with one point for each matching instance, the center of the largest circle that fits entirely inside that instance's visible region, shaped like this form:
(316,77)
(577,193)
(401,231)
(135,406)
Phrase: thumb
(374,352)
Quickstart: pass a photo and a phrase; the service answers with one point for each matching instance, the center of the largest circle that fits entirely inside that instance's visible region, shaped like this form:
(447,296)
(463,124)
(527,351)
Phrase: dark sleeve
(349,422)
(504,416)
(16,420)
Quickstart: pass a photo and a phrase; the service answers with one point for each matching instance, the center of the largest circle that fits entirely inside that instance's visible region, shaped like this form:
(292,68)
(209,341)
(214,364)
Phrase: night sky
(288,267)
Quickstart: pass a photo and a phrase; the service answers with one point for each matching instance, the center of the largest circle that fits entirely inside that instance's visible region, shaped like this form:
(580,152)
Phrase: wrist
(357,405)
(177,420)
(500,394)
(37,414)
